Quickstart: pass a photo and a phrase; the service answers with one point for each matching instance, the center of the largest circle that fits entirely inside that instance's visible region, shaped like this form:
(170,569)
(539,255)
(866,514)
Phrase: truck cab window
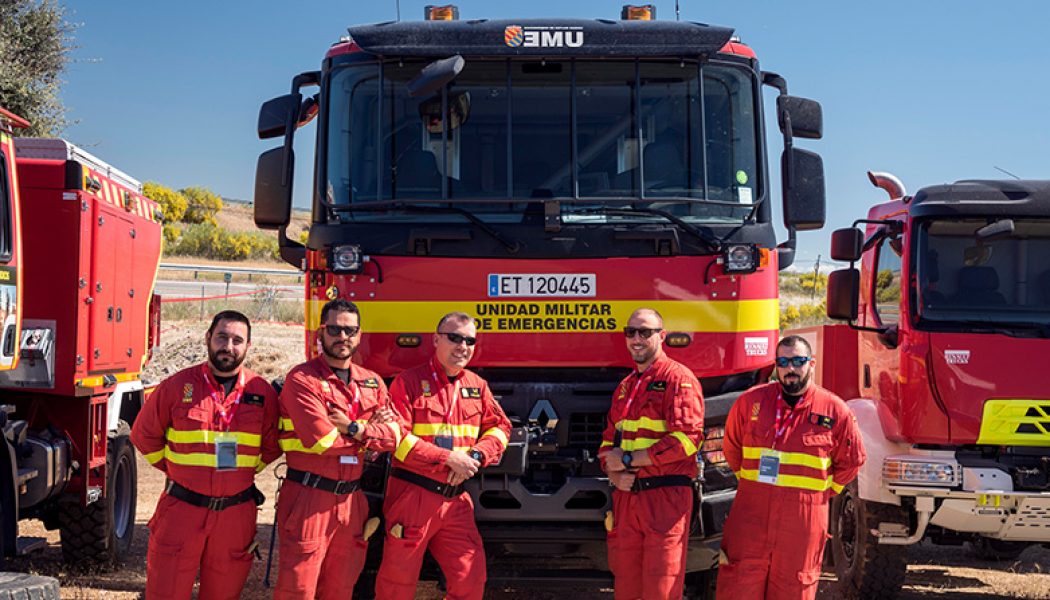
(6,193)
(886,289)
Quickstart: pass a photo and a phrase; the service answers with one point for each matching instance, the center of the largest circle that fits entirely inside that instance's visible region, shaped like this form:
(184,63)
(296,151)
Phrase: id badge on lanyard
(445,438)
(769,466)
(226,451)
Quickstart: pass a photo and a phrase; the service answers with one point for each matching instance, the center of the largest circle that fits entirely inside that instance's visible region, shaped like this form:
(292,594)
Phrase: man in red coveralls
(210,428)
(453,427)
(791,444)
(332,410)
(654,429)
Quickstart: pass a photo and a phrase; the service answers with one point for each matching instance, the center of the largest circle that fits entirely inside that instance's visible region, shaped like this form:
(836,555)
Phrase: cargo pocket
(612,546)
(402,550)
(240,566)
(163,569)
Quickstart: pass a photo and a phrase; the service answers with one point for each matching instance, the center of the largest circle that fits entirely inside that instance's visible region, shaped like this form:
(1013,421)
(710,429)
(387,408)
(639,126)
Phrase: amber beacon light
(447,12)
(645,12)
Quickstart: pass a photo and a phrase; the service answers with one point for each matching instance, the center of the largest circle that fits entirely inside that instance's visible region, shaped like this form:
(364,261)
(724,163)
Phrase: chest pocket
(190,418)
(470,411)
(818,443)
(248,418)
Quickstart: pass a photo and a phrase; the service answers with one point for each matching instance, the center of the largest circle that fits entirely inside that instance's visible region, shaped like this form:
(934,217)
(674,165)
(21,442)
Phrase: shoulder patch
(426,388)
(470,392)
(656,386)
(371,382)
(822,420)
(755,409)
(254,399)
(187,392)
(326,387)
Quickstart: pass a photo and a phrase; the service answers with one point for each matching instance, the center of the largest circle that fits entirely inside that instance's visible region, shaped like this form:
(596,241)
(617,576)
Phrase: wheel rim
(122,517)
(848,528)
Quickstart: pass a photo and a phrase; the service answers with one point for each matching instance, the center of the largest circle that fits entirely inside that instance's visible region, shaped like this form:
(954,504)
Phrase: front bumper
(1008,516)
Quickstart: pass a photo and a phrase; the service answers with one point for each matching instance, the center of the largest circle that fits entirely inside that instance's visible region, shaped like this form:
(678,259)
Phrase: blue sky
(932,91)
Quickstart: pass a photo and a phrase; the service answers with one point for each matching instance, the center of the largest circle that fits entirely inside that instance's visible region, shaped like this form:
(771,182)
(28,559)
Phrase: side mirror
(806,116)
(275,115)
(843,294)
(435,76)
(273,189)
(802,172)
(847,244)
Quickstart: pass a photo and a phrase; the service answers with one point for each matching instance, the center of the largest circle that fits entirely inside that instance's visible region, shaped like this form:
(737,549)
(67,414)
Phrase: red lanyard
(218,395)
(634,392)
(780,427)
(455,394)
(355,401)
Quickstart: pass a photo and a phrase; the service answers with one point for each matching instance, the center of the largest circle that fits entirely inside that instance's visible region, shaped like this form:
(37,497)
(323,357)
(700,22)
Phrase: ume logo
(517,36)
(957,357)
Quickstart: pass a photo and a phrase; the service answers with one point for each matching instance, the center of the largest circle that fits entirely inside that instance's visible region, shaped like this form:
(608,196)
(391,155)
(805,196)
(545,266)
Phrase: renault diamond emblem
(543,409)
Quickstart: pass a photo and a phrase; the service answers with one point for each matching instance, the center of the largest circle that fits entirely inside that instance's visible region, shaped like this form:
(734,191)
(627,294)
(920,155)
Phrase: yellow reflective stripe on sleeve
(606,444)
(657,425)
(154,457)
(462,448)
(791,481)
(441,428)
(836,487)
(207,459)
(638,444)
(199,436)
(791,458)
(285,424)
(496,432)
(687,444)
(296,445)
(405,447)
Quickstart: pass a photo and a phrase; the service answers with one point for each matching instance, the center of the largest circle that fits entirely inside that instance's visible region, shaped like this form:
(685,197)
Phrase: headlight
(347,259)
(911,471)
(740,258)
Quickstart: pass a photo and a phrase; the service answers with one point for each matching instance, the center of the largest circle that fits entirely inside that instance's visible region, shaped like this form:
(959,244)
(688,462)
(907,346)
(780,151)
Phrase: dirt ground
(946,572)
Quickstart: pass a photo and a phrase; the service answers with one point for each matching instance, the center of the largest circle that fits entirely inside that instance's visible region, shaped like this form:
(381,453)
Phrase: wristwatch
(627,459)
(353,428)
(476,455)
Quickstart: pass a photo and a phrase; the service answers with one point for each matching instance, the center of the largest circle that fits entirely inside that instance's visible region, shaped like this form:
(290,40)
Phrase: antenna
(397,5)
(1005,171)
(677,13)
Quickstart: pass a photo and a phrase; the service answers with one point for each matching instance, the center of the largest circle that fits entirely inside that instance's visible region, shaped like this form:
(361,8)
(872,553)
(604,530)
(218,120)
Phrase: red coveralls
(322,548)
(176,431)
(774,537)
(659,411)
(416,518)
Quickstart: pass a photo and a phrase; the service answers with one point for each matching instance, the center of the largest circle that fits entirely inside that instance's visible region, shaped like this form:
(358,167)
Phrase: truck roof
(58,149)
(987,197)
(552,37)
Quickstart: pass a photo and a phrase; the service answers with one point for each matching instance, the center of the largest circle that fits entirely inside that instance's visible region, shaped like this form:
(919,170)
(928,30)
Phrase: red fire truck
(549,176)
(79,249)
(949,328)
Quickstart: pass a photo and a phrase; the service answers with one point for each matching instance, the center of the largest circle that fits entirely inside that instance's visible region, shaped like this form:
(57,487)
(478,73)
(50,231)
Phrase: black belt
(335,486)
(428,484)
(650,483)
(213,502)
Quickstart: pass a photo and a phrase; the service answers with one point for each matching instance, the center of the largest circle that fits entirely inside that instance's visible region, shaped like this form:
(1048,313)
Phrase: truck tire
(98,536)
(989,549)
(21,586)
(865,569)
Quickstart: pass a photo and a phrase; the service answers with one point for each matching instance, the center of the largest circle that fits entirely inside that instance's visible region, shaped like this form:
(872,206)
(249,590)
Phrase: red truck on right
(945,363)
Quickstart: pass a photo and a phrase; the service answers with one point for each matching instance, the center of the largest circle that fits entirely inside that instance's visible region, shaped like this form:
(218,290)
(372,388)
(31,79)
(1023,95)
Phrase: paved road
(195,289)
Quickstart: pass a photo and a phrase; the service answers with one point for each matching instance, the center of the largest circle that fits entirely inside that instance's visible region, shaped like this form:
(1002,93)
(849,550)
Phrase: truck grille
(585,430)
(1015,423)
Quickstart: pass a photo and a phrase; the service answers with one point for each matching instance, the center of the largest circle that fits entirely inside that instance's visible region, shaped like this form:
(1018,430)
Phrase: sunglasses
(335,330)
(794,361)
(456,338)
(630,332)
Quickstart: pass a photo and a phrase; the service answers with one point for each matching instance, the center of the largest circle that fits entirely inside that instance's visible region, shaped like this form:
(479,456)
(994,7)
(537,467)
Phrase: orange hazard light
(448,12)
(645,12)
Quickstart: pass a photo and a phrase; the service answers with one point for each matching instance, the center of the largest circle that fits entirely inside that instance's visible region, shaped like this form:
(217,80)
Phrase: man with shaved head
(652,434)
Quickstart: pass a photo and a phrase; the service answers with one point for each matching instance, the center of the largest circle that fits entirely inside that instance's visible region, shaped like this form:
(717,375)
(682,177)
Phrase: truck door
(111,271)
(9,321)
(881,362)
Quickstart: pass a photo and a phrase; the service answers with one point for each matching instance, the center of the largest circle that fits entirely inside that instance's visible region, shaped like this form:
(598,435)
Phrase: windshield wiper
(512,246)
(712,243)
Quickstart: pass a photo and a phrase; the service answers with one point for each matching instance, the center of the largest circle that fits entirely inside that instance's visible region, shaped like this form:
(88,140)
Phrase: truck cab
(948,327)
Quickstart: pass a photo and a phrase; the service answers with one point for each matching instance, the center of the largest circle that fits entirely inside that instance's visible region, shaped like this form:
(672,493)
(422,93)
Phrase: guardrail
(229,271)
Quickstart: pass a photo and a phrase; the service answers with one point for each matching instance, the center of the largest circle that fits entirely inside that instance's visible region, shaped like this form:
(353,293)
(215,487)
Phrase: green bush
(202,205)
(205,240)
(172,203)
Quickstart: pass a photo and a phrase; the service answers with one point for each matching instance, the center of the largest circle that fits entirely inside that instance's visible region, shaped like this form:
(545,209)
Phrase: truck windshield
(1002,282)
(679,136)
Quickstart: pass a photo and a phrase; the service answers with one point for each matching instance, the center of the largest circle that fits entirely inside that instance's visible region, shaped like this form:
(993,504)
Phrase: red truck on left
(79,251)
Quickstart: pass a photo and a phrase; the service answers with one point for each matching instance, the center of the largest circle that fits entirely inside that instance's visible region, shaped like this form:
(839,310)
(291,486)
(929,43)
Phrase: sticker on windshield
(743,195)
(546,285)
